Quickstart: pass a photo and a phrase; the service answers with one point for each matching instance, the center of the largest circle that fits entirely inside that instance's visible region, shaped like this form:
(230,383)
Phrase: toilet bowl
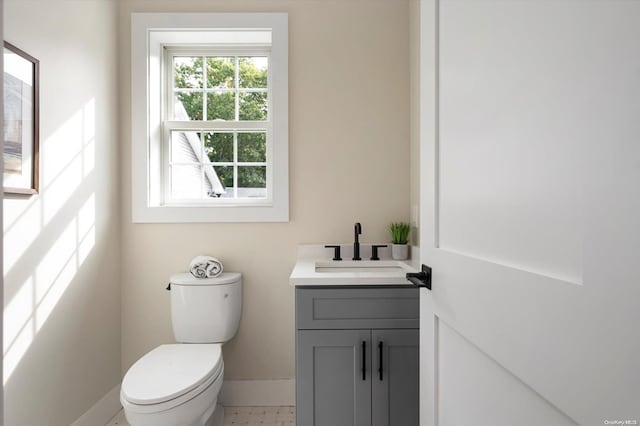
(173,385)
(178,384)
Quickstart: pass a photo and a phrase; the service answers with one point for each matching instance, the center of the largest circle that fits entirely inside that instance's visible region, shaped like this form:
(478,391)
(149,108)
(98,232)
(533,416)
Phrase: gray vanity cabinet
(395,388)
(330,388)
(357,356)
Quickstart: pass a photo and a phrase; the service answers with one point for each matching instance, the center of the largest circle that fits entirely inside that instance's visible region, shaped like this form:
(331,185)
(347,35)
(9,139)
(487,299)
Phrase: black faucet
(357,230)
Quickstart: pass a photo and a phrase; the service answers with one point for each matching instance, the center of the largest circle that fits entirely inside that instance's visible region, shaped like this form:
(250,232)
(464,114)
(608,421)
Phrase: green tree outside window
(252,73)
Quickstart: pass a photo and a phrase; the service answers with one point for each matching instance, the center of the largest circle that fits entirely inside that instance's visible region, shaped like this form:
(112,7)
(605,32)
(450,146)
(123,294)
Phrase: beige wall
(62,290)
(349,161)
(414,101)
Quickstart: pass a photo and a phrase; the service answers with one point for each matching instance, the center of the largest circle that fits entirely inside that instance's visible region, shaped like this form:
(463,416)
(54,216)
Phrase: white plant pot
(400,251)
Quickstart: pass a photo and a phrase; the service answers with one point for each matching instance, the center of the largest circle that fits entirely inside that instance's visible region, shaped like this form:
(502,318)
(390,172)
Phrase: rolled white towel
(205,267)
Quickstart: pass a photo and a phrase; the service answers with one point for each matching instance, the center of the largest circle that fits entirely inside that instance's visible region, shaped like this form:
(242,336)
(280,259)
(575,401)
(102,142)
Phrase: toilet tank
(205,310)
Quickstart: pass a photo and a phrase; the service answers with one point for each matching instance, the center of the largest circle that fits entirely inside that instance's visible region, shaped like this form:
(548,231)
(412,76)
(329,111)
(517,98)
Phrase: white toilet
(178,384)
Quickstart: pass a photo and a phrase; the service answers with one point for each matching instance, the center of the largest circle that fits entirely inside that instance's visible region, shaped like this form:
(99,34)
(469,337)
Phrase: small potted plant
(399,240)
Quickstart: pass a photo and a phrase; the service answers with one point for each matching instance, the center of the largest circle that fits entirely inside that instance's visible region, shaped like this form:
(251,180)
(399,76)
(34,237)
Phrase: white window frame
(151,33)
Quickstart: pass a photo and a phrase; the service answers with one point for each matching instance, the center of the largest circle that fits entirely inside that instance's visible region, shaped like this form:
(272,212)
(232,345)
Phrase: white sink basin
(373,266)
(316,272)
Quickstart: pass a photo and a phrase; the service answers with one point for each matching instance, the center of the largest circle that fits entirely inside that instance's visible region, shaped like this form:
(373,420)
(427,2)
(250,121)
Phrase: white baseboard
(234,393)
(102,411)
(258,393)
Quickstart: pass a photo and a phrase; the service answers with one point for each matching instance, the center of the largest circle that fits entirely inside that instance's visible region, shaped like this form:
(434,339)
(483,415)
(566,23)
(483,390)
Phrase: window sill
(207,214)
(219,203)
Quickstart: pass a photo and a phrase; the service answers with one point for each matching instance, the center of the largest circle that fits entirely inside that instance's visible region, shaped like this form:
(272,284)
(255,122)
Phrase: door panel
(395,394)
(510,135)
(529,210)
(331,390)
(472,384)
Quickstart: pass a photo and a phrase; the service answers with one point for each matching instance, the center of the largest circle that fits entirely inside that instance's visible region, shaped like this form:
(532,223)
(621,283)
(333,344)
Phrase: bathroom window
(209,117)
(218,129)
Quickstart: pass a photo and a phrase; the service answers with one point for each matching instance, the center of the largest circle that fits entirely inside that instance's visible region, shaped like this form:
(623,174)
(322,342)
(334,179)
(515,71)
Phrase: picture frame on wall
(20,154)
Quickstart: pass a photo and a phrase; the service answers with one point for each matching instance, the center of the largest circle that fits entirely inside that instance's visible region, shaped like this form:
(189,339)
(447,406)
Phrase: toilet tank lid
(188,279)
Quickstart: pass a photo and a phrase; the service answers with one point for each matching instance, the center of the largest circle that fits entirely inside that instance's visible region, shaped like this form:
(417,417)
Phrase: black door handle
(381,350)
(421,279)
(364,360)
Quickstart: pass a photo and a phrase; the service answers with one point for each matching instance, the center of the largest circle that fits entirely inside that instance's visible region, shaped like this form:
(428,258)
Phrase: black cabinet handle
(364,360)
(380,349)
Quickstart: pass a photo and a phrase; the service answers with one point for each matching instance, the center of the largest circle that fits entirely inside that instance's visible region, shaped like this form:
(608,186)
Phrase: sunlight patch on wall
(86,229)
(17,350)
(19,311)
(13,212)
(68,160)
(24,230)
(74,245)
(70,154)
(49,267)
(36,299)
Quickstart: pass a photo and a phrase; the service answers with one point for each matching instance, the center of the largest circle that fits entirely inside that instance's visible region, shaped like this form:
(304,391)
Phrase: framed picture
(20,124)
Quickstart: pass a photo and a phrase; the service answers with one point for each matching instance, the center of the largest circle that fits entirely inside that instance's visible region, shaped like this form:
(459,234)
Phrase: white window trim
(149,33)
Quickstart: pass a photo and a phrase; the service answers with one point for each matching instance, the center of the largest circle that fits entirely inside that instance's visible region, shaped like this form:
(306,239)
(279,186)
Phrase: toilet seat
(171,375)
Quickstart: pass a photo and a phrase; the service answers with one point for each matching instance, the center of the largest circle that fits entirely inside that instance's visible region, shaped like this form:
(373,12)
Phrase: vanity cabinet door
(331,389)
(395,381)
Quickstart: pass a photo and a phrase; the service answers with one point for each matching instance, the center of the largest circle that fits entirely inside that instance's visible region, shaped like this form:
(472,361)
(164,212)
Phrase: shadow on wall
(48,237)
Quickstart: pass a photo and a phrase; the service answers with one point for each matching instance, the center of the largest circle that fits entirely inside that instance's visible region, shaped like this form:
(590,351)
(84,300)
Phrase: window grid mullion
(202,185)
(235,132)
(235,164)
(227,163)
(184,163)
(196,125)
(170,75)
(222,89)
(237,83)
(204,88)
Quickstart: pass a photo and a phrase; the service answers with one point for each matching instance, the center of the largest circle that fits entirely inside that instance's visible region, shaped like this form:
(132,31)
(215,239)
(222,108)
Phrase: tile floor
(118,420)
(260,416)
(242,416)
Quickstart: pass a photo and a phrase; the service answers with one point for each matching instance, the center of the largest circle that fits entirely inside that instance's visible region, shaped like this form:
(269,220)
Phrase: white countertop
(315,268)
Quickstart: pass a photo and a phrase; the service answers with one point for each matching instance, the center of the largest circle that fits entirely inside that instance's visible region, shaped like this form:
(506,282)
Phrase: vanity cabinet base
(357,377)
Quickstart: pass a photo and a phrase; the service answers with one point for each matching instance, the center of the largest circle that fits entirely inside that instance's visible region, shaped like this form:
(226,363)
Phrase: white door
(530,212)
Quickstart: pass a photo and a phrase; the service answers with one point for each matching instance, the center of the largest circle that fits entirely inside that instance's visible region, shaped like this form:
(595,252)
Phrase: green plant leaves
(400,232)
